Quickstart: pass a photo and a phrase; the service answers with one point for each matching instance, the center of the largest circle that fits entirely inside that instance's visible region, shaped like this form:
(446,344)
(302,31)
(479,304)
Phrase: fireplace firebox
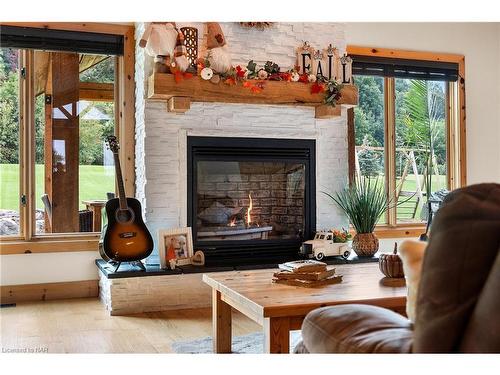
(250,200)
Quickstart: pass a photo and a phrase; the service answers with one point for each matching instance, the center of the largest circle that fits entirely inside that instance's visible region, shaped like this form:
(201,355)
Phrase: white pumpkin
(207,74)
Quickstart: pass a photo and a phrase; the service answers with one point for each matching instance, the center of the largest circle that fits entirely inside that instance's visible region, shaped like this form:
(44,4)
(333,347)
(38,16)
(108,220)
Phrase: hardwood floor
(83,326)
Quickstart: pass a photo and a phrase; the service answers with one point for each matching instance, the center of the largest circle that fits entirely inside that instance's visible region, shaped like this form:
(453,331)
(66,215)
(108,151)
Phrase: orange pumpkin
(391,264)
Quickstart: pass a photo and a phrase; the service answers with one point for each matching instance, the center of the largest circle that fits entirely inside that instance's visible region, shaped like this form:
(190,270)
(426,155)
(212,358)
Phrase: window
(409,127)
(10,156)
(420,113)
(57,106)
(369,125)
(74,112)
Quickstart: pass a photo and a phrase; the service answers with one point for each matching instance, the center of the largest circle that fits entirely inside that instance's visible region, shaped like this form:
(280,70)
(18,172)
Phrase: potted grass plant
(364,202)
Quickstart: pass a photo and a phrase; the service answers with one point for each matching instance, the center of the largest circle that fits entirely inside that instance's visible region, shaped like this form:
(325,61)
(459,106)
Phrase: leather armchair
(458,303)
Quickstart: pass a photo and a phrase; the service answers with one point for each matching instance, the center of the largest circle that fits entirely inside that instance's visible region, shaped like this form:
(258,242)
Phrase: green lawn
(95,182)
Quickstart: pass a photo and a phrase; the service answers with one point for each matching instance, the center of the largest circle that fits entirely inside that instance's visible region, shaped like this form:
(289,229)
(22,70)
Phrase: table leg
(221,324)
(277,335)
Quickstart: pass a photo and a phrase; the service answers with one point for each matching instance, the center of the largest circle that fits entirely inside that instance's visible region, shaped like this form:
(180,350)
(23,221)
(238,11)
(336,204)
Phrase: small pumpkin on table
(391,266)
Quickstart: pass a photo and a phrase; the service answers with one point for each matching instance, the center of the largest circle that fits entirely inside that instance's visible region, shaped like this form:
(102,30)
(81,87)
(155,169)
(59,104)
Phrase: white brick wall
(161,136)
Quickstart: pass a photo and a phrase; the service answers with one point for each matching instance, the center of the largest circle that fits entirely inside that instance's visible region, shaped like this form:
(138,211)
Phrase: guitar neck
(119,180)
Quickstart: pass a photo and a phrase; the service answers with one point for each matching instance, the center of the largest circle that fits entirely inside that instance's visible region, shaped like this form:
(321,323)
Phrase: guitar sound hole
(124,216)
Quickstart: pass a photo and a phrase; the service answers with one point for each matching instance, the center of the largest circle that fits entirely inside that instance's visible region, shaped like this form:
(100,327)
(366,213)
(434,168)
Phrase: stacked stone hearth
(153,293)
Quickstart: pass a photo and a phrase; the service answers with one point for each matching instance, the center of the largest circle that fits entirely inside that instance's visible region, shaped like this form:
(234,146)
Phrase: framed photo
(174,244)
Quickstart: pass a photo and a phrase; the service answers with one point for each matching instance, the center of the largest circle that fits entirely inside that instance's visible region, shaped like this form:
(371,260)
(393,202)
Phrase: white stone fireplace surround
(161,136)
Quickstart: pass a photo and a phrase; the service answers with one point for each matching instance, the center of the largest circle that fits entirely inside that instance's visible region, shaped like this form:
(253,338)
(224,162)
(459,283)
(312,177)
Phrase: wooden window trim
(125,128)
(390,147)
(456,129)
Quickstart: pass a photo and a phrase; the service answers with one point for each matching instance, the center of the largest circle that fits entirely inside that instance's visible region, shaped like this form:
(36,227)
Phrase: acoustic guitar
(124,236)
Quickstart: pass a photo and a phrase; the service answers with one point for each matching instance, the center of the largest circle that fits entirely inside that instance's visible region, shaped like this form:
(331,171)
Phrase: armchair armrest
(355,329)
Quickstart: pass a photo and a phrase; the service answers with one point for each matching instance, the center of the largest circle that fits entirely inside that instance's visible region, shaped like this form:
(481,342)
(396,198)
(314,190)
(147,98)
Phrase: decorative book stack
(306,273)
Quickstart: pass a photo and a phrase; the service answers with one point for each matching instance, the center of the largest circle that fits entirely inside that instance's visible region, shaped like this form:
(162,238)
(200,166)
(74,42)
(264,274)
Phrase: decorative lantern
(191,43)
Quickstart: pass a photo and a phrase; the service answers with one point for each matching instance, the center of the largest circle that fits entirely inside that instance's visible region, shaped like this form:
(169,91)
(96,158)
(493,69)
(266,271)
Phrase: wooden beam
(97,92)
(390,146)
(403,54)
(125,109)
(163,86)
(49,291)
(178,104)
(86,62)
(62,142)
(89,61)
(326,111)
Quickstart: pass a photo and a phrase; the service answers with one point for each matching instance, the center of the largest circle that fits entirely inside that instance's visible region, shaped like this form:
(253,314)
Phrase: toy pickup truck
(323,246)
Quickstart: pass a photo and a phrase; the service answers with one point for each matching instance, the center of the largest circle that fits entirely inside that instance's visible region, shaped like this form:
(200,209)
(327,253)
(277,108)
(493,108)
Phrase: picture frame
(174,244)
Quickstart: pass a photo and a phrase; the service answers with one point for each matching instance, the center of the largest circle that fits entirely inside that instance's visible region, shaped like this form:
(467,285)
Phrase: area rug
(252,343)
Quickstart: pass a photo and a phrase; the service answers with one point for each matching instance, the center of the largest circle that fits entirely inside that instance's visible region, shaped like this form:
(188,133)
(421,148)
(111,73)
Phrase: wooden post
(221,320)
(277,335)
(62,141)
(351,145)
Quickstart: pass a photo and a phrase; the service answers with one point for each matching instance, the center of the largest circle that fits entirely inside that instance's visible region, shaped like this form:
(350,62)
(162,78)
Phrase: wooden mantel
(179,95)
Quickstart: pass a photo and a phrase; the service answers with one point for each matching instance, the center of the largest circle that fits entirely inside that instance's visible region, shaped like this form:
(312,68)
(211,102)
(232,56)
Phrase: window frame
(455,132)
(124,94)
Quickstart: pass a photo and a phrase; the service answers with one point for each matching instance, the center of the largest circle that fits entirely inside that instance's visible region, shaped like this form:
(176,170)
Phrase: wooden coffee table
(280,309)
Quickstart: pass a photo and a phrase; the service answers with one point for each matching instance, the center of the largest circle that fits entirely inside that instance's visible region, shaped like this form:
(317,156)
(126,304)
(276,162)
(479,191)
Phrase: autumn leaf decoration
(333,92)
(240,73)
(316,88)
(179,76)
(230,81)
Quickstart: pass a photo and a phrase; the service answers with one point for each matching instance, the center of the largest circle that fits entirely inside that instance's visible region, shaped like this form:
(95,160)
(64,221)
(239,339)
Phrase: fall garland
(254,78)
(257,25)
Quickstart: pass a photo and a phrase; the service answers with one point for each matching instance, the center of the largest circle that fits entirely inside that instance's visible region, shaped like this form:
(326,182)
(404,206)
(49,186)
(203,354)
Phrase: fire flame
(249,210)
(233,222)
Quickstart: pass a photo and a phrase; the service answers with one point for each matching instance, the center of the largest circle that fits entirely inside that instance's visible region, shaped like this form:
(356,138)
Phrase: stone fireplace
(280,214)
(250,200)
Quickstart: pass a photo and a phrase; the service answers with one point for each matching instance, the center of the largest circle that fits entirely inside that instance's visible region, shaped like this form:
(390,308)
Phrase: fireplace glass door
(250,200)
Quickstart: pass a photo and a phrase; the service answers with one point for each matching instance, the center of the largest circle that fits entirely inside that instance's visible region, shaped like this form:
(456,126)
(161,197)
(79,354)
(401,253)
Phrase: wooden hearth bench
(179,96)
(280,308)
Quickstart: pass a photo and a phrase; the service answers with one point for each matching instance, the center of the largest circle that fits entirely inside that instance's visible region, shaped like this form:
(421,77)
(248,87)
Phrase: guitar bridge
(127,234)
